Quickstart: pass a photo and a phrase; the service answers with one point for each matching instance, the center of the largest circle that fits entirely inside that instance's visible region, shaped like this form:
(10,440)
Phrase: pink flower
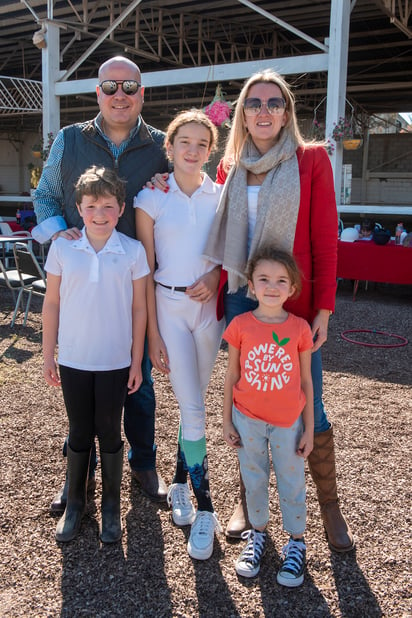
(218,112)
(343,129)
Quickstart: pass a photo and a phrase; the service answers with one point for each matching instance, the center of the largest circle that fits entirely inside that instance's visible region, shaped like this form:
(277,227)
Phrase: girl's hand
(51,373)
(135,378)
(158,354)
(231,436)
(305,445)
(158,181)
(205,287)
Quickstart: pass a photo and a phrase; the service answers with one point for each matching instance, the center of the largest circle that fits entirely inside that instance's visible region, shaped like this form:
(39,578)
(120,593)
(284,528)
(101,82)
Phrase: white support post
(50,75)
(337,74)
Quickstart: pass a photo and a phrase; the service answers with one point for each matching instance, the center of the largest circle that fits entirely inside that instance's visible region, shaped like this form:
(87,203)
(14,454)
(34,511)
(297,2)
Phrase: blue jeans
(237,303)
(139,423)
(139,420)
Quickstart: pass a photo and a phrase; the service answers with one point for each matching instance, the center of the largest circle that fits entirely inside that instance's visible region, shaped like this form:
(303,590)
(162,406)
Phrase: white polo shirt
(96,293)
(181,229)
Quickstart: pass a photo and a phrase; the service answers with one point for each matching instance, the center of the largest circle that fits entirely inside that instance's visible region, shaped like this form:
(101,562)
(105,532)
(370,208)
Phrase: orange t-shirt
(269,388)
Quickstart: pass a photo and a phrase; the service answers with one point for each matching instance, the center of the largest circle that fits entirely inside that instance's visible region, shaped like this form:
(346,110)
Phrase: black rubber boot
(60,499)
(112,470)
(58,504)
(77,471)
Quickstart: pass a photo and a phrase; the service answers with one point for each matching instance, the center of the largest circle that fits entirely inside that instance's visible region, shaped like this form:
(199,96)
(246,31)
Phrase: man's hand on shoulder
(72,233)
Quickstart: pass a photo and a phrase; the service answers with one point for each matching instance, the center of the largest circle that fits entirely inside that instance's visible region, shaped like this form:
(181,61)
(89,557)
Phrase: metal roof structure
(162,35)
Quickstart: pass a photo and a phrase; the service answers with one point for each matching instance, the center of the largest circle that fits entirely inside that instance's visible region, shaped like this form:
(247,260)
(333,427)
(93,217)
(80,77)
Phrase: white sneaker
(178,498)
(202,534)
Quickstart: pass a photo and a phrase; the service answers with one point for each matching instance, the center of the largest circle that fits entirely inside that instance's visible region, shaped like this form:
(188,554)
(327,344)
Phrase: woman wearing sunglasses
(279,190)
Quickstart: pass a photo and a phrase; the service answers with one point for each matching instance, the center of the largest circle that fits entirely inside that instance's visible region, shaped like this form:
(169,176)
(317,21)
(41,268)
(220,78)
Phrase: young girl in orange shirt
(268,400)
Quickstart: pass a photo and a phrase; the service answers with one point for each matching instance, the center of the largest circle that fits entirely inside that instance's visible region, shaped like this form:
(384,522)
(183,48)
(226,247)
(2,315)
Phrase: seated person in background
(407,241)
(366,229)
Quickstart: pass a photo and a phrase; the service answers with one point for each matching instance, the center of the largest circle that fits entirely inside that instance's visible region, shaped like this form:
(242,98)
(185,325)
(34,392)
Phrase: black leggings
(94,402)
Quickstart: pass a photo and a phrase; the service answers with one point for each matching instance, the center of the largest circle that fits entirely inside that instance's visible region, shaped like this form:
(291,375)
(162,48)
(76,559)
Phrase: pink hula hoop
(403,340)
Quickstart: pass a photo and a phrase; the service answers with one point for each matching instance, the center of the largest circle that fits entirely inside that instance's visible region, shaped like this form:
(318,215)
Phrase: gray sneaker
(248,563)
(294,556)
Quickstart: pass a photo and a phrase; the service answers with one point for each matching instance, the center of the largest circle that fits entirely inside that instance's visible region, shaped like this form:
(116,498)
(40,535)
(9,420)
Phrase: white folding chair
(6,230)
(11,279)
(28,266)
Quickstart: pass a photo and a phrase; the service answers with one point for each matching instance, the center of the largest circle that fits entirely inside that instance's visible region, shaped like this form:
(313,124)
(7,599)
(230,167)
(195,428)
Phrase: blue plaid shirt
(49,195)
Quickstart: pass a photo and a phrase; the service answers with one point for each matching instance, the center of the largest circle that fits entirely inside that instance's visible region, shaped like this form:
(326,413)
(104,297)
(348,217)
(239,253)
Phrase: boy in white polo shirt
(95,310)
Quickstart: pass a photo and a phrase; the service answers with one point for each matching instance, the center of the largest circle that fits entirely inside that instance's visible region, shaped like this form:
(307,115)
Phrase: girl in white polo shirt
(183,331)
(95,308)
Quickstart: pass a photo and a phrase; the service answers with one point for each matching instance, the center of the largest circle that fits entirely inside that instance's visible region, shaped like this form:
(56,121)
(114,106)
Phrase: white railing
(16,198)
(378,209)
(20,96)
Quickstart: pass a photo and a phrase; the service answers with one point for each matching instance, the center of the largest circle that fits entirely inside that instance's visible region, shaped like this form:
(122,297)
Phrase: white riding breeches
(192,335)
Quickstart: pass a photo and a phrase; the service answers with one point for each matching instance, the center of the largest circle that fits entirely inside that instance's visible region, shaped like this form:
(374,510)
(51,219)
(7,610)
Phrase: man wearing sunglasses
(117,138)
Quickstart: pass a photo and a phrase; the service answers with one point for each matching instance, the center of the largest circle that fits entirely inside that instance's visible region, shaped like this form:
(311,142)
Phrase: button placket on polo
(192,210)
(83,245)
(94,268)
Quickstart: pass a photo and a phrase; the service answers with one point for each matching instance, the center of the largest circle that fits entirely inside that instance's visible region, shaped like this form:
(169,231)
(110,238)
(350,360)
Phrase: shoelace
(204,520)
(293,553)
(179,494)
(254,548)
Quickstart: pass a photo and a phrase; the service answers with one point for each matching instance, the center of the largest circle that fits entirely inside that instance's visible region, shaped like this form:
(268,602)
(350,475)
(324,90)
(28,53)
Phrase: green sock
(194,454)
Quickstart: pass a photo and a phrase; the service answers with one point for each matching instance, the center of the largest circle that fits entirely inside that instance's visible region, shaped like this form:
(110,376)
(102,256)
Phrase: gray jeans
(289,468)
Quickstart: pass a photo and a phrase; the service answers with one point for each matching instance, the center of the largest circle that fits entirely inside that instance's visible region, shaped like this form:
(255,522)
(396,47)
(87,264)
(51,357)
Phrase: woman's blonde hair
(238,132)
(197,117)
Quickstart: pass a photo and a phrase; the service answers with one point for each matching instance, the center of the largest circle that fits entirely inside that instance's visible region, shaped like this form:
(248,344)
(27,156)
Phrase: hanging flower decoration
(219,110)
(343,129)
(318,129)
(330,147)
(318,133)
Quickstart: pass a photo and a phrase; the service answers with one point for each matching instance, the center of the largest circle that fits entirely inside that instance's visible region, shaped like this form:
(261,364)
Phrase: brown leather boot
(322,468)
(151,484)
(239,522)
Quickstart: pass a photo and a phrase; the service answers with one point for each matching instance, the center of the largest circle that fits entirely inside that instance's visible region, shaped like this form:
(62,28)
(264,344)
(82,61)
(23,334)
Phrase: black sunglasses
(110,86)
(274,105)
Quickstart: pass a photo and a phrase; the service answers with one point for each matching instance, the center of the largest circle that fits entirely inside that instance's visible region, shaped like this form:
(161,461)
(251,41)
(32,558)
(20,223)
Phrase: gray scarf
(277,210)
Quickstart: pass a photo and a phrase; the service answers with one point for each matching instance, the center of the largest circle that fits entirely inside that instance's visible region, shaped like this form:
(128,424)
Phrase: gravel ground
(368,397)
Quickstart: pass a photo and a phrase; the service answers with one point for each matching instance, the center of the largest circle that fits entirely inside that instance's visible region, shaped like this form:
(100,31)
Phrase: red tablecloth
(14,226)
(365,261)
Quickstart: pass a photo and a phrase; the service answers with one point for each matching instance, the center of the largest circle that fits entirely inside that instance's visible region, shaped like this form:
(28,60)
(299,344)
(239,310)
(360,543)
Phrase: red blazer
(316,236)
